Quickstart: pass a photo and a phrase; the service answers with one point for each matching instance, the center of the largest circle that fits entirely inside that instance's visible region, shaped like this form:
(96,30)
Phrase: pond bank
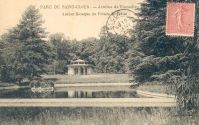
(14,87)
(89,102)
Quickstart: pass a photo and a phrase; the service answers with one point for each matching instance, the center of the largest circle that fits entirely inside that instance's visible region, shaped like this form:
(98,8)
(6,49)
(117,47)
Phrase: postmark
(180,19)
(120,22)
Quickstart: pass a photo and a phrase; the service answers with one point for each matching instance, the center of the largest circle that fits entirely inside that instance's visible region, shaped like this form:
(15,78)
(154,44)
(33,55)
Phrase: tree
(111,54)
(63,52)
(1,52)
(1,58)
(87,48)
(32,53)
(8,50)
(170,60)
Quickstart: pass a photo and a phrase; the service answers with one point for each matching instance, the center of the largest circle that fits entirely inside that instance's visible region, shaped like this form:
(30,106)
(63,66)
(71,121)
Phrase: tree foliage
(107,54)
(63,53)
(171,60)
(112,54)
(30,52)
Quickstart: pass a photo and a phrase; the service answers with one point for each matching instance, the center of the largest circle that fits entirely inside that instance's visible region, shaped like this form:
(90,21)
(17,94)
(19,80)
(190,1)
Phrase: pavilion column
(79,94)
(71,94)
(84,71)
(79,70)
(89,94)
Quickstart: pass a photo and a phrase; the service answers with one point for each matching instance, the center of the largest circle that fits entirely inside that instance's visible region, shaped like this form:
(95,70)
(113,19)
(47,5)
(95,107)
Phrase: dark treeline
(107,54)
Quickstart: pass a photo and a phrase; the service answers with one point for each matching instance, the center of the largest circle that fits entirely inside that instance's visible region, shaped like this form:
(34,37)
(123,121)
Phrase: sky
(74,27)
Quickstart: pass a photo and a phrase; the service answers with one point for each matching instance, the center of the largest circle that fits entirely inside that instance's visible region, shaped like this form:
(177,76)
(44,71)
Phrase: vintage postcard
(98,62)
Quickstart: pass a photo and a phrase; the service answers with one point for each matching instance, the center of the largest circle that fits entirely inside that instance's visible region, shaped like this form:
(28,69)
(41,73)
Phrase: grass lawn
(156,88)
(99,78)
(95,78)
(104,78)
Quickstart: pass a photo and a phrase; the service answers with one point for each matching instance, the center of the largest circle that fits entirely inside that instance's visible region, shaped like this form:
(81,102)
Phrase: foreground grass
(92,116)
(95,78)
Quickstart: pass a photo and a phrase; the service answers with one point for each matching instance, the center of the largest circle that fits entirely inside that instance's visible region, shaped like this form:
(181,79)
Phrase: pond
(27,93)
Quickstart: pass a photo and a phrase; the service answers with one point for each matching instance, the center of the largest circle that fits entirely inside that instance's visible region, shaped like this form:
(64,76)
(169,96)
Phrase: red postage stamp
(180,19)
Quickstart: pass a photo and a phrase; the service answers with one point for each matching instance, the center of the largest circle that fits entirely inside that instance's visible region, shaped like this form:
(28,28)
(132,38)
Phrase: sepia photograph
(99,62)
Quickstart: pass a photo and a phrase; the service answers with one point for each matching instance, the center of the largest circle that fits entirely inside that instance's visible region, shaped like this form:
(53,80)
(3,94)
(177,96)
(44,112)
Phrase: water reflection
(74,94)
(27,93)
